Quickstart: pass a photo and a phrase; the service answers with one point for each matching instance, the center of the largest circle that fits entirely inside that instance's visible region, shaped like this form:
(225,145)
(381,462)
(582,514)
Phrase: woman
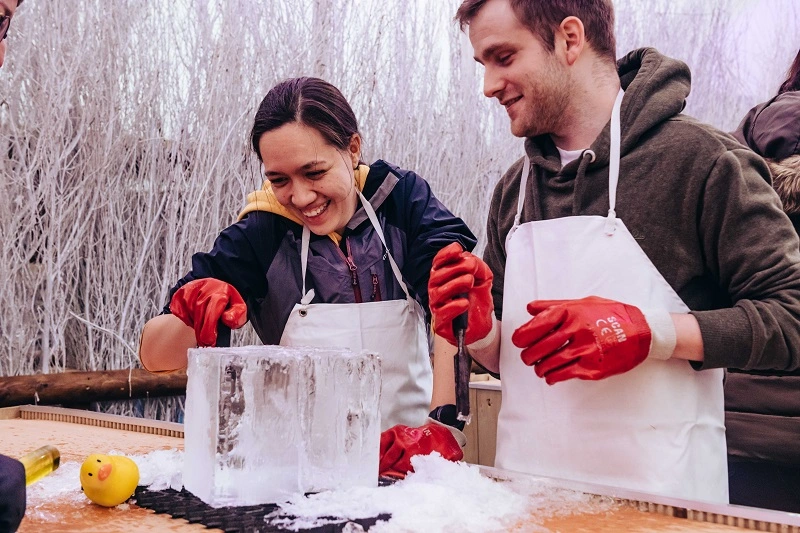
(762,414)
(331,252)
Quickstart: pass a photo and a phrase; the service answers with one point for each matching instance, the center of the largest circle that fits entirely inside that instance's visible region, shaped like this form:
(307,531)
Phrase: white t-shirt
(568,156)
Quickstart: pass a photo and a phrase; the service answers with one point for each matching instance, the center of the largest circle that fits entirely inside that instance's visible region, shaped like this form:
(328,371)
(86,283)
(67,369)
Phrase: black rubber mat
(246,519)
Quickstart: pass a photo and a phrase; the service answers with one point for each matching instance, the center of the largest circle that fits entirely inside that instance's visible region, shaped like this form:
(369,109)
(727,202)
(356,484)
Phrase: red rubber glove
(400,443)
(203,303)
(590,338)
(453,274)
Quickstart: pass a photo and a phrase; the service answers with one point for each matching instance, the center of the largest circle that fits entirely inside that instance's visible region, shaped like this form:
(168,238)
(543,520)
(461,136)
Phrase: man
(646,253)
(12,473)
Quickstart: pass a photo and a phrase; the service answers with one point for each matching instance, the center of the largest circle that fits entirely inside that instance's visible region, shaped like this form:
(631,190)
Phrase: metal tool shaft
(462,365)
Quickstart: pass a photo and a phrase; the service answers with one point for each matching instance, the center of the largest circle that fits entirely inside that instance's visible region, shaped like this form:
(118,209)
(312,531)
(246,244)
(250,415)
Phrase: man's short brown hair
(542,17)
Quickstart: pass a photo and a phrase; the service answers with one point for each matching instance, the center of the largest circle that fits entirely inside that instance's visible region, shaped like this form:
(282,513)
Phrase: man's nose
(492,84)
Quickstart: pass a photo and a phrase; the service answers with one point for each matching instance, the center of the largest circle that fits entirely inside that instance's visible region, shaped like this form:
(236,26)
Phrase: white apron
(394,329)
(658,428)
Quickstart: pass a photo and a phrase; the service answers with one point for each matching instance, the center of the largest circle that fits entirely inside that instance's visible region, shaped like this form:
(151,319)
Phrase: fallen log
(84,387)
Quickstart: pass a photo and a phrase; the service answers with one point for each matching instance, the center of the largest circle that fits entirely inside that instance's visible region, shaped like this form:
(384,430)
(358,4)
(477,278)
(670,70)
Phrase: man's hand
(456,273)
(400,443)
(590,338)
(203,303)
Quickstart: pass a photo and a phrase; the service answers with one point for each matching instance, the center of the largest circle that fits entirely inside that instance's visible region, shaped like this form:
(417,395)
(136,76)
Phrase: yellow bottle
(39,463)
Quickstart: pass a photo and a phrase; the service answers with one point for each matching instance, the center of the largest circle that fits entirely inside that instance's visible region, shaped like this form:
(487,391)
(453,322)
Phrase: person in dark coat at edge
(12,473)
(762,409)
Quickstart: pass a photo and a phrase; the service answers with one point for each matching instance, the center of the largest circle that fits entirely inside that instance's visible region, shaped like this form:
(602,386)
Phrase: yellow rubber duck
(109,480)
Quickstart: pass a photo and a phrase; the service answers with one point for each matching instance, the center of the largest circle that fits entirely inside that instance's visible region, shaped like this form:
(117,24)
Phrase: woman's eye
(278,182)
(315,174)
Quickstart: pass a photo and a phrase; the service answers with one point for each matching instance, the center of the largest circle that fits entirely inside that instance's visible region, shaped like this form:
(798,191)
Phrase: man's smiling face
(525,77)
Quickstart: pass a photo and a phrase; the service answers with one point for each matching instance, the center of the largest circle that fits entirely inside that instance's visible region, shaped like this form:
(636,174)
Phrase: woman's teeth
(316,212)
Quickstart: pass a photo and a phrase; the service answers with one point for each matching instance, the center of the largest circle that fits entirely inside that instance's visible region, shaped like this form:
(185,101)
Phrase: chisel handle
(223,336)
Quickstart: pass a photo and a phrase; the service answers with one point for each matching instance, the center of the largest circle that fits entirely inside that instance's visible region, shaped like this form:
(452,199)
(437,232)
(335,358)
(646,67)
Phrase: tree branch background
(123,129)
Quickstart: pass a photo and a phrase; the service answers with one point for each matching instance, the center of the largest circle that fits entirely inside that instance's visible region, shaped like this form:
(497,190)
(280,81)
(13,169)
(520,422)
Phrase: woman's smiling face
(311,177)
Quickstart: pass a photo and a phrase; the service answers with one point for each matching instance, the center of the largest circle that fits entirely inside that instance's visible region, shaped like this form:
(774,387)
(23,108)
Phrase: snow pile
(63,485)
(439,496)
(160,469)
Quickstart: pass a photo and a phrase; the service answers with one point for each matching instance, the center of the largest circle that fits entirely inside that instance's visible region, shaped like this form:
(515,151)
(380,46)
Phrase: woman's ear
(354,148)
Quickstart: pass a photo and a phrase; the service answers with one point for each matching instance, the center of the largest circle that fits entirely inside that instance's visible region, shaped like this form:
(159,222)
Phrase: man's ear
(571,39)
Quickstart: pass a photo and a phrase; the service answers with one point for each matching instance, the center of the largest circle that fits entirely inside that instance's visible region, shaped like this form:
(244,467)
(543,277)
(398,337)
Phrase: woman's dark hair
(792,82)
(309,101)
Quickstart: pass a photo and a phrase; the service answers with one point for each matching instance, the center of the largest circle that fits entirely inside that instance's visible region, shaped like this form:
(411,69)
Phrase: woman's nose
(302,194)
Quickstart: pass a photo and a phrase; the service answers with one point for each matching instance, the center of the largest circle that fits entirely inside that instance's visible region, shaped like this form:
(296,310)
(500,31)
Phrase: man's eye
(505,59)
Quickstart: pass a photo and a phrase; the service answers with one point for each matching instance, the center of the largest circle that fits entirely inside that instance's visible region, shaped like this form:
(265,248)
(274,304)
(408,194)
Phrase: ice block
(263,423)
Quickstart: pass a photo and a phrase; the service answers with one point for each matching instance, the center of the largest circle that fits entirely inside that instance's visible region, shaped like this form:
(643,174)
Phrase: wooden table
(78,433)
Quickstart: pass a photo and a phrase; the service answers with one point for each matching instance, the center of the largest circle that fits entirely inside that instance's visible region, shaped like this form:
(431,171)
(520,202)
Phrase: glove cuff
(485,342)
(663,335)
(461,439)
(447,414)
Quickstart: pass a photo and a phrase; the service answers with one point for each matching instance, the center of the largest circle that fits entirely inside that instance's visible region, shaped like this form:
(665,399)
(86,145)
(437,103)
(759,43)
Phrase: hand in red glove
(590,338)
(400,443)
(455,273)
(203,303)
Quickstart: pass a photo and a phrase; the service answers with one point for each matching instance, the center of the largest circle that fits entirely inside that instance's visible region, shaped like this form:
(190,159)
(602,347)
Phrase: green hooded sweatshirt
(698,203)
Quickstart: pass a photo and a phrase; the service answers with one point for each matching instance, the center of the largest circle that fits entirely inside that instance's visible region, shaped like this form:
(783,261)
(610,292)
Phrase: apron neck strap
(375,224)
(523,187)
(373,218)
(613,163)
(304,243)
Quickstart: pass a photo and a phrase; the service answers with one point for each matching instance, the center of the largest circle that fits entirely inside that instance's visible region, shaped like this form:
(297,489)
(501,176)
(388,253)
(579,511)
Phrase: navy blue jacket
(12,493)
(260,254)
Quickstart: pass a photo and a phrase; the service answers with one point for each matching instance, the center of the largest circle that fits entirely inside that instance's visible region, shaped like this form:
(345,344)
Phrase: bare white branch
(123,134)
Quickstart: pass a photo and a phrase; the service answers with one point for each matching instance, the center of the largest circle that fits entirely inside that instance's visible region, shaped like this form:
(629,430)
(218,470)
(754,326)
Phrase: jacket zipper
(353,271)
(376,290)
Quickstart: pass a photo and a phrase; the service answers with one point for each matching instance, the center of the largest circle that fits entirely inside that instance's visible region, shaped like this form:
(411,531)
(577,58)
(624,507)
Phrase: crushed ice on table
(442,496)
